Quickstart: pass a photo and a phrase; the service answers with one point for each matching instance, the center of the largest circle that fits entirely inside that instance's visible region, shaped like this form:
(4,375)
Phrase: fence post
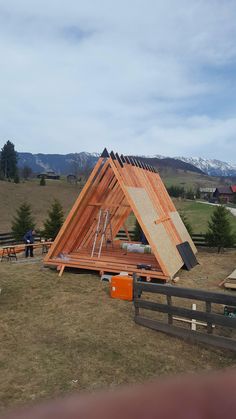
(208,310)
(169,302)
(135,295)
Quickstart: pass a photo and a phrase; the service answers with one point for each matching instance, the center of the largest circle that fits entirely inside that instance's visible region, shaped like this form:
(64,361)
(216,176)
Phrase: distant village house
(206,193)
(49,175)
(225,193)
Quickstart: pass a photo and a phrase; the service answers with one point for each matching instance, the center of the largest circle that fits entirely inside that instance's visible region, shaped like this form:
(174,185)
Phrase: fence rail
(198,239)
(226,324)
(8,239)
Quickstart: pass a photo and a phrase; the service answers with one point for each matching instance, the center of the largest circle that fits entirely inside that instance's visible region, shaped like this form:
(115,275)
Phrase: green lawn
(199,214)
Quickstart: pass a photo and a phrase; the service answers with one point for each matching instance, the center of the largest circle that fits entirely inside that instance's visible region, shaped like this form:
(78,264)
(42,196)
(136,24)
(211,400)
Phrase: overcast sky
(138,76)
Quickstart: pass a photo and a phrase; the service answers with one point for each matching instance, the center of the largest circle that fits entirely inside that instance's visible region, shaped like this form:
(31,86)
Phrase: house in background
(233,187)
(223,194)
(206,193)
(49,175)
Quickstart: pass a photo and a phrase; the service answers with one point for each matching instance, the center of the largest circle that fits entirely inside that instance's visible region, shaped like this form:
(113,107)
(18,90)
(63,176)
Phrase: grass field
(65,335)
(41,197)
(199,214)
(189,179)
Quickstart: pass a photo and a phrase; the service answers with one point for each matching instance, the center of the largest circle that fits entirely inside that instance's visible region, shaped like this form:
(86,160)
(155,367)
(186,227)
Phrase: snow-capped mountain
(74,162)
(211,167)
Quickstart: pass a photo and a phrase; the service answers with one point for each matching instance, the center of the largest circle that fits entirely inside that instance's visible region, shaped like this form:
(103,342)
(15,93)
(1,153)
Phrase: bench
(9,253)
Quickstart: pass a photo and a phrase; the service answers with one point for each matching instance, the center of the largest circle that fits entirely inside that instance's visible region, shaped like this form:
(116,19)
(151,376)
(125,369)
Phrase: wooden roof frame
(123,185)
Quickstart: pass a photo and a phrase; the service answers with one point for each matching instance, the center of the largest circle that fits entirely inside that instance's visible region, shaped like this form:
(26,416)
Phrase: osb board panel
(180,227)
(162,245)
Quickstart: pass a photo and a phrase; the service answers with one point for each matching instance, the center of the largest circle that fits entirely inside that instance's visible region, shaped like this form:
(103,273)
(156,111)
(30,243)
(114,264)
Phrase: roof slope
(224,190)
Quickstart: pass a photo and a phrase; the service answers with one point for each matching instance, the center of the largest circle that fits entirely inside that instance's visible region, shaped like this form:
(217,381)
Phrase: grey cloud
(78,75)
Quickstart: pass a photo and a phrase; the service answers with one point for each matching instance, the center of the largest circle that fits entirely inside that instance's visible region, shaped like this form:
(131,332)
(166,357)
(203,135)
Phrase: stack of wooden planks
(230,281)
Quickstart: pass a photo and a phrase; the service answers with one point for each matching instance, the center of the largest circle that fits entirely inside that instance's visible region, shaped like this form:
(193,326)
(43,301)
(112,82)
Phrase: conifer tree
(42,181)
(23,221)
(189,194)
(54,221)
(16,178)
(219,232)
(198,193)
(8,161)
(26,172)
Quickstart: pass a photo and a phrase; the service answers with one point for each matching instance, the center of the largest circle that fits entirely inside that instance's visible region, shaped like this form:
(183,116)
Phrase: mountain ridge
(76,162)
(212,167)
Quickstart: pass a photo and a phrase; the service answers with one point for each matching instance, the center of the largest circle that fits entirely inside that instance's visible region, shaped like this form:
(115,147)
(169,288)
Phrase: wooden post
(208,310)
(169,302)
(61,270)
(194,321)
(135,295)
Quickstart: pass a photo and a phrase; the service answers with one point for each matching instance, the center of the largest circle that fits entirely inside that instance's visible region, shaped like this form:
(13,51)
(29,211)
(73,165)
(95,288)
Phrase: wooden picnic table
(10,252)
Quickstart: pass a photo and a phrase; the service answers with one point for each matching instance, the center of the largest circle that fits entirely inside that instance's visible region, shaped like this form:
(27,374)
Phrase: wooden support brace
(61,270)
(162,220)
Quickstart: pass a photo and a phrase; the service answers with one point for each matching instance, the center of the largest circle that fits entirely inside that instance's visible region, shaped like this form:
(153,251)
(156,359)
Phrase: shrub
(219,232)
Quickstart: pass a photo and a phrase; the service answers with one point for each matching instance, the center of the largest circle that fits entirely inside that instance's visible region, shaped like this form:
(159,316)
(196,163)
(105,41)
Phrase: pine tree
(26,172)
(189,194)
(22,222)
(16,178)
(8,161)
(42,181)
(219,232)
(54,221)
(198,193)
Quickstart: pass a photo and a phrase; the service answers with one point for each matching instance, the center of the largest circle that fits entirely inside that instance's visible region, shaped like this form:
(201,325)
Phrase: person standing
(29,241)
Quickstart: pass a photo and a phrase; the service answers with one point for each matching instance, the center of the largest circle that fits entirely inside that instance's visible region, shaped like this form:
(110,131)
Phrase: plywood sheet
(162,245)
(180,227)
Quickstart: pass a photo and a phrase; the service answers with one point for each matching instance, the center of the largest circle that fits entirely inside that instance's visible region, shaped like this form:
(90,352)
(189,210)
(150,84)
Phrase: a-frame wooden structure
(117,186)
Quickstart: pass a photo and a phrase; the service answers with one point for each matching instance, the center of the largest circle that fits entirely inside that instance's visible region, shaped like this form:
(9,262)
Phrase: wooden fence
(223,325)
(198,239)
(7,239)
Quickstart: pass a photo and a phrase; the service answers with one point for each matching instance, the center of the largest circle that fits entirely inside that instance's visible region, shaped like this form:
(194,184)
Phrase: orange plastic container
(122,287)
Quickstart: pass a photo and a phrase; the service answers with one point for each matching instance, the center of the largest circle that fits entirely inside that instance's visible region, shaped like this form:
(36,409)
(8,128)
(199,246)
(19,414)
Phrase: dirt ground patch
(211,270)
(63,335)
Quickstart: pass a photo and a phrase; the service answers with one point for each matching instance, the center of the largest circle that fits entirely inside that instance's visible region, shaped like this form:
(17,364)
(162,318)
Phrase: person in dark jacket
(29,240)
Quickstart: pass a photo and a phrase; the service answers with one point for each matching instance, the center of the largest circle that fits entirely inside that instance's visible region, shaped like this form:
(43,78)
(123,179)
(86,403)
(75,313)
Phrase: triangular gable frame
(124,185)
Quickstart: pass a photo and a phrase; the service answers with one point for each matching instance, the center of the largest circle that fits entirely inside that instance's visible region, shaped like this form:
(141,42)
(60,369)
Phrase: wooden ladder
(103,227)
